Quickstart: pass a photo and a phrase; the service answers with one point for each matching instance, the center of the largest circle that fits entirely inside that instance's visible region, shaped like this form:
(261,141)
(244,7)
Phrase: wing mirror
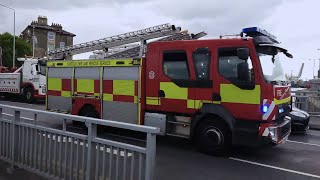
(243,53)
(243,71)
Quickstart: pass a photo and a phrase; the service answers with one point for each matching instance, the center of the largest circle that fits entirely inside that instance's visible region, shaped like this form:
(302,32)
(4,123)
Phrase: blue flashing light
(255,31)
(265,108)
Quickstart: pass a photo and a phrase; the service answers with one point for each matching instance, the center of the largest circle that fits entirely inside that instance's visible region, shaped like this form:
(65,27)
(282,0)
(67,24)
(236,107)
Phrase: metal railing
(308,101)
(60,154)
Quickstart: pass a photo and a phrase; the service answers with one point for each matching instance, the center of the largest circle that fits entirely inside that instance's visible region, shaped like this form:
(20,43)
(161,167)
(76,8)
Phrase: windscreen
(43,70)
(270,60)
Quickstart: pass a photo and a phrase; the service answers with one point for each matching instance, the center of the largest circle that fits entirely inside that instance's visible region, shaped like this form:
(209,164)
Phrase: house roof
(57,30)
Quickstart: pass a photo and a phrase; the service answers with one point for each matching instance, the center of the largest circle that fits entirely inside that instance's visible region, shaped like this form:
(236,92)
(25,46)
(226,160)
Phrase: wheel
(28,94)
(87,111)
(213,136)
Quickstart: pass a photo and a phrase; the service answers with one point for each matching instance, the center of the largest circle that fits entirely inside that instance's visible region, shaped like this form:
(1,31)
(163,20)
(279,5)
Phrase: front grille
(284,130)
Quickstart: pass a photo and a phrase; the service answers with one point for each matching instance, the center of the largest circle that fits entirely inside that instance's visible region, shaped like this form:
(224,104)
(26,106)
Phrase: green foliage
(22,49)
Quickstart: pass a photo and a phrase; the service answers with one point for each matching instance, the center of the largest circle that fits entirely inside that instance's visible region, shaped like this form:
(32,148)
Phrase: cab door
(35,74)
(174,77)
(203,89)
(185,79)
(239,89)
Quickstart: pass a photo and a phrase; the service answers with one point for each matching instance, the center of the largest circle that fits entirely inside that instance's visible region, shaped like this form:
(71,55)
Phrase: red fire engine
(218,92)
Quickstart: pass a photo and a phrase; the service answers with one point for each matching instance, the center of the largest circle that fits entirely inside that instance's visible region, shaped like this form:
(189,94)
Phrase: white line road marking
(274,167)
(298,142)
(20,117)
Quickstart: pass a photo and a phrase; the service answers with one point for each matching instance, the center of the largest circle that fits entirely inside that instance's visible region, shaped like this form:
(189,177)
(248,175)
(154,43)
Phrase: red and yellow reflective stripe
(85,85)
(282,101)
(232,94)
(197,104)
(66,93)
(59,87)
(120,90)
(54,84)
(153,101)
(124,87)
(172,91)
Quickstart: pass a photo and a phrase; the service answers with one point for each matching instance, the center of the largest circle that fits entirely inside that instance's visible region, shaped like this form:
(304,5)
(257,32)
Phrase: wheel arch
(27,85)
(82,104)
(212,110)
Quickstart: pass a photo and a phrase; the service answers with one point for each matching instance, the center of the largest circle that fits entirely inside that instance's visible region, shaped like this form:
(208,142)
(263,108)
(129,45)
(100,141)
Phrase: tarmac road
(298,158)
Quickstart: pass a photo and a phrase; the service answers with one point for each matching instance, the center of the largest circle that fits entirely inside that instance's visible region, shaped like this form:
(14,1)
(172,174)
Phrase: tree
(22,49)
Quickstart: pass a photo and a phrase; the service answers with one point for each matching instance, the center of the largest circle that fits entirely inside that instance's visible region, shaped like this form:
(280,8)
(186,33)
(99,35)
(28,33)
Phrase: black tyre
(87,111)
(28,94)
(213,137)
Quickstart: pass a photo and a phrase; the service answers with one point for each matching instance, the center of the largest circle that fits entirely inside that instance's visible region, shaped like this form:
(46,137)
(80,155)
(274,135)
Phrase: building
(46,37)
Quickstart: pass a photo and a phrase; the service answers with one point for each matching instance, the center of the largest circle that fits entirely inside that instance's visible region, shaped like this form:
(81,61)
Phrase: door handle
(161,93)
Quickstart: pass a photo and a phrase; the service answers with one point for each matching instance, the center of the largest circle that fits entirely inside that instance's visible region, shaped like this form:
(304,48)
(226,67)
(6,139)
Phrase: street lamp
(314,63)
(319,66)
(14,33)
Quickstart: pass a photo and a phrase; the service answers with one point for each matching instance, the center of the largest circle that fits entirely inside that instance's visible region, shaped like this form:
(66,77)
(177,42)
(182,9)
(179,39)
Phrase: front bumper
(257,133)
(42,90)
(276,133)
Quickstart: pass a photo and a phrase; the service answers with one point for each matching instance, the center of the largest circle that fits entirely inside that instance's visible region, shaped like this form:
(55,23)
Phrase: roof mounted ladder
(137,51)
(117,40)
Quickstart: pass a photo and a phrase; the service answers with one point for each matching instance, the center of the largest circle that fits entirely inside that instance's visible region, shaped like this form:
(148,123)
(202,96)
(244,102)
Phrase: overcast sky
(294,22)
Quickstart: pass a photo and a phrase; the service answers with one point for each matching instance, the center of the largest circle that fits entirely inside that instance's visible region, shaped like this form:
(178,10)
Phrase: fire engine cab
(217,92)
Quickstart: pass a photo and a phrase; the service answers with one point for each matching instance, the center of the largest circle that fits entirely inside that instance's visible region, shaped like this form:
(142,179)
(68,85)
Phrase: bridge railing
(308,101)
(57,153)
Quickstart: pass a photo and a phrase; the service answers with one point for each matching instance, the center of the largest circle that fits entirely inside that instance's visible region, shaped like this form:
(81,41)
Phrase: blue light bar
(255,31)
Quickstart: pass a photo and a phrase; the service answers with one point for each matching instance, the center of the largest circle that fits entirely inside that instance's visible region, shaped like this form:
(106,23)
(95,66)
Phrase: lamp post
(314,63)
(319,67)
(14,34)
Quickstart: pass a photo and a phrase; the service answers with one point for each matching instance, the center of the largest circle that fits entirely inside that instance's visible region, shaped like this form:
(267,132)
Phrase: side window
(228,64)
(201,61)
(175,64)
(34,69)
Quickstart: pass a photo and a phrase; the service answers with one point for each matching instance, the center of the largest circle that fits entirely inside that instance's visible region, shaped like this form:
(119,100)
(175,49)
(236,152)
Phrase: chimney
(43,20)
(56,25)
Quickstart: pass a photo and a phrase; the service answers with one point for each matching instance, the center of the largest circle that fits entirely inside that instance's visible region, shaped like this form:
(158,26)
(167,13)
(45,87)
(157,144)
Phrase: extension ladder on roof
(135,51)
(118,40)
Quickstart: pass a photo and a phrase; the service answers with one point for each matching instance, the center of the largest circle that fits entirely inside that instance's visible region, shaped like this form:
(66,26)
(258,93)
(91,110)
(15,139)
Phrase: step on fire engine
(218,92)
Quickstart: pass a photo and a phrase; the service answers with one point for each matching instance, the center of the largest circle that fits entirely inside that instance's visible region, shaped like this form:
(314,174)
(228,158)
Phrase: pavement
(298,158)
(17,175)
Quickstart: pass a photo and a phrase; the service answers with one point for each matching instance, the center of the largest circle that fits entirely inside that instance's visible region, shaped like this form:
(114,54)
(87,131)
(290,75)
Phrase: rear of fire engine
(218,92)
